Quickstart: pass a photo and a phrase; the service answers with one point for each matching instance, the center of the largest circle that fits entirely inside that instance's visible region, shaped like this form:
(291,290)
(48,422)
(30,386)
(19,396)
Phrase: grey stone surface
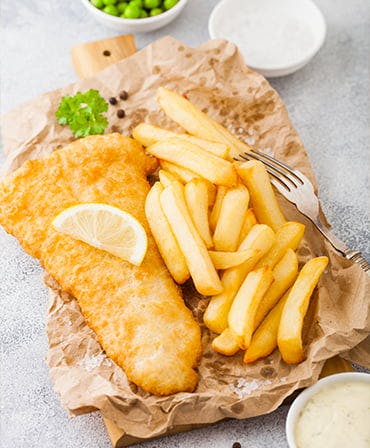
(328,101)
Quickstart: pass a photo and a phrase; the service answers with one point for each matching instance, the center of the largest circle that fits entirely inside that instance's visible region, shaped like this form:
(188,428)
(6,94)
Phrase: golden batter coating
(137,313)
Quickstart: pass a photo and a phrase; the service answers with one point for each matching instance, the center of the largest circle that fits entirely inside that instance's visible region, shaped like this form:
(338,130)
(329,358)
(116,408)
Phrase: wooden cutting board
(88,59)
(92,57)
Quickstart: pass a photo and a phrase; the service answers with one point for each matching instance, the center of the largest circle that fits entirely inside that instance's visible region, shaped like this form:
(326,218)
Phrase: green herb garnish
(83,113)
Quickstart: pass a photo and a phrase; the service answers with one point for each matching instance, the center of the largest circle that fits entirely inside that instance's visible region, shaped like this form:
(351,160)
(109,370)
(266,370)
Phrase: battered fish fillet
(137,313)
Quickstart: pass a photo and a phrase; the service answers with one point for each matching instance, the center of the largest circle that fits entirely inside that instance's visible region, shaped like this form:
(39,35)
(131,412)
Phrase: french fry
(264,339)
(263,199)
(194,250)
(226,343)
(288,236)
(196,195)
(194,158)
(181,173)
(221,192)
(285,273)
(197,123)
(212,191)
(244,307)
(230,221)
(165,239)
(226,260)
(148,134)
(291,323)
(218,149)
(250,220)
(166,178)
(260,239)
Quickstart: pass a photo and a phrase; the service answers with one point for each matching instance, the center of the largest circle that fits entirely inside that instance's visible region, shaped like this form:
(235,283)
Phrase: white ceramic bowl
(136,25)
(233,19)
(304,396)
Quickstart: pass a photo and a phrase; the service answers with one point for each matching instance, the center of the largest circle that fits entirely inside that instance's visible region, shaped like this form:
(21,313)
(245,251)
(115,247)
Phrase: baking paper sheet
(215,78)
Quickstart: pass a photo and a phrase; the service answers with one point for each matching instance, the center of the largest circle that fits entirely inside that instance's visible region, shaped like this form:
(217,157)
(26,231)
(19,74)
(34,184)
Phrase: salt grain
(268,151)
(250,141)
(244,387)
(91,362)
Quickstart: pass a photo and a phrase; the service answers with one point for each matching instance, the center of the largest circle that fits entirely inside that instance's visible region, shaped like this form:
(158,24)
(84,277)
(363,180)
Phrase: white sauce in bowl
(271,34)
(337,416)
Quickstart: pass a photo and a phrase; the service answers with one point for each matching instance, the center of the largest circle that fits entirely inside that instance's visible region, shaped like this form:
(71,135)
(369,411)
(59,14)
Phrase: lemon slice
(107,228)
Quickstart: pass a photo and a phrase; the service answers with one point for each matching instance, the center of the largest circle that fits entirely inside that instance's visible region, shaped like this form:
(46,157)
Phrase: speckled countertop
(329,104)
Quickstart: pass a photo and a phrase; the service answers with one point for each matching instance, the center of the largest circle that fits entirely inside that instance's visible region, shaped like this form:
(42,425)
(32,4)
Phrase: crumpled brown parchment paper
(215,78)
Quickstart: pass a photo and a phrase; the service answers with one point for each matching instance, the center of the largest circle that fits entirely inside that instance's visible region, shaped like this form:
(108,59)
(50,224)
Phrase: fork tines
(276,168)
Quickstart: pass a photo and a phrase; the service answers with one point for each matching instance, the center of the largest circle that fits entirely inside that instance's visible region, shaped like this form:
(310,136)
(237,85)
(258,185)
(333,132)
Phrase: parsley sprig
(83,113)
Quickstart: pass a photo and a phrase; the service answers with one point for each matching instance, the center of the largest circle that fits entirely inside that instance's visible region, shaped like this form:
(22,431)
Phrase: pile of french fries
(220,223)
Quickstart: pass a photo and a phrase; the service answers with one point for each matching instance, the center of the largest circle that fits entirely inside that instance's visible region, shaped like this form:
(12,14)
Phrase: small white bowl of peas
(135,16)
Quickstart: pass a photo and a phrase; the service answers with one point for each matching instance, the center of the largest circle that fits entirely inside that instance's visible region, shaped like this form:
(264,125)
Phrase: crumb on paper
(90,362)
(244,387)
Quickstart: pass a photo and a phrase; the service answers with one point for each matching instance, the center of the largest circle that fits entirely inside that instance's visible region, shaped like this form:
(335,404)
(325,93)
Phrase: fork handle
(357,257)
(353,255)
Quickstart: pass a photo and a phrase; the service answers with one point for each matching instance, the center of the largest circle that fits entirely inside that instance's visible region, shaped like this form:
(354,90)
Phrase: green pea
(121,7)
(150,4)
(132,12)
(97,3)
(168,4)
(109,2)
(111,10)
(144,14)
(155,12)
(136,2)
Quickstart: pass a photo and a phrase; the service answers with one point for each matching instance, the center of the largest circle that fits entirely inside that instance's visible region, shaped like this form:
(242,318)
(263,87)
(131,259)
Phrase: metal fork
(297,188)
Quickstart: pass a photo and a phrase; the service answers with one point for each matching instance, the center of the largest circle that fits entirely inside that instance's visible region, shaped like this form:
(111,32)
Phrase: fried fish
(137,313)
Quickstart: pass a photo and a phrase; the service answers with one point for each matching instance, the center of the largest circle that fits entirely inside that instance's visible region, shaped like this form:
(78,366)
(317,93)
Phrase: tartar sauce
(269,33)
(337,416)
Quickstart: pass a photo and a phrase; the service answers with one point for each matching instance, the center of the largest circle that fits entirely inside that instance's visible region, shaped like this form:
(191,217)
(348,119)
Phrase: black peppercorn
(123,95)
(121,113)
(112,101)
(236,445)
